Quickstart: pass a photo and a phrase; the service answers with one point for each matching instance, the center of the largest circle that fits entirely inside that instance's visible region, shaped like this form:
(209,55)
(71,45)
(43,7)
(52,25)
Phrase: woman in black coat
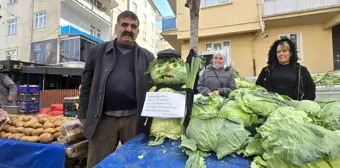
(284,75)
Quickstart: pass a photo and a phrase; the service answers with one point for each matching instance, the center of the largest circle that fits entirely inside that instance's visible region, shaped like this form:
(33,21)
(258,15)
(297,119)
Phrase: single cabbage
(298,143)
(206,107)
(220,135)
(310,107)
(232,110)
(330,115)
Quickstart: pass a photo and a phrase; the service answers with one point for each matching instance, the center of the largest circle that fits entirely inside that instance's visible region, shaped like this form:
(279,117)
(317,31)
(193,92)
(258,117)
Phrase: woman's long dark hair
(272,54)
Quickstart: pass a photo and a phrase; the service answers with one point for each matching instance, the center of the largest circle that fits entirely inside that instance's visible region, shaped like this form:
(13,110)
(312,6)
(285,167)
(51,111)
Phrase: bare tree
(194,7)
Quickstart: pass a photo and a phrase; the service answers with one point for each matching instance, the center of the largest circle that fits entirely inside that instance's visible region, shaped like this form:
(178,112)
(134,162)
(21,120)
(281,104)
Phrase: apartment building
(59,31)
(247,28)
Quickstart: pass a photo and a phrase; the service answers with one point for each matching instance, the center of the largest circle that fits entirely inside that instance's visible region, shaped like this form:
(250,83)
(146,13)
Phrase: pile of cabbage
(330,78)
(273,130)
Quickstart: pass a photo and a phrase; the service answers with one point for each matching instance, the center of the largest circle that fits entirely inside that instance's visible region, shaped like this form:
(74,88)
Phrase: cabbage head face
(168,71)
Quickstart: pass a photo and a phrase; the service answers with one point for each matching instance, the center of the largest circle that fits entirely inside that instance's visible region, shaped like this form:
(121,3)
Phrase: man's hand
(216,92)
(10,99)
(83,121)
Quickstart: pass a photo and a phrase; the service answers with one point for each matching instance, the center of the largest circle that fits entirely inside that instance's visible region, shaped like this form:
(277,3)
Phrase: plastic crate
(28,107)
(29,97)
(28,89)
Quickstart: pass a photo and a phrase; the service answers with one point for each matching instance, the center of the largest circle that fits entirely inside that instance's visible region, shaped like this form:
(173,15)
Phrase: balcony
(169,23)
(279,7)
(90,8)
(69,30)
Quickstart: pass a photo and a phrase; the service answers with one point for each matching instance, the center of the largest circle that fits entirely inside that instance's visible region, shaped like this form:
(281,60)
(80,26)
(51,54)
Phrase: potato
(2,134)
(18,136)
(28,124)
(57,129)
(11,136)
(36,125)
(5,128)
(48,125)
(51,120)
(37,132)
(11,116)
(7,134)
(34,119)
(42,120)
(26,118)
(50,130)
(13,122)
(46,138)
(19,124)
(12,129)
(20,118)
(32,138)
(56,135)
(28,131)
(58,123)
(20,129)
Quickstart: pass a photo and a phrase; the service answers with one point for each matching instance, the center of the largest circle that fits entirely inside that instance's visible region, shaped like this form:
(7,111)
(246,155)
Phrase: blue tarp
(20,154)
(136,154)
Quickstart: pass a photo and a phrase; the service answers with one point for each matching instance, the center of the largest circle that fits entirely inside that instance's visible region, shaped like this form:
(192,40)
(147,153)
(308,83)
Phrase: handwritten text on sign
(164,105)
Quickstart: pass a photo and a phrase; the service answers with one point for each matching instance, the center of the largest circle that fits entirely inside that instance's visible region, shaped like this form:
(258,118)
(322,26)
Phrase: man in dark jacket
(113,89)
(8,90)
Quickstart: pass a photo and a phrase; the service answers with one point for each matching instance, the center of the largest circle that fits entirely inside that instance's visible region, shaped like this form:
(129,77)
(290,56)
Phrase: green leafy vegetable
(168,71)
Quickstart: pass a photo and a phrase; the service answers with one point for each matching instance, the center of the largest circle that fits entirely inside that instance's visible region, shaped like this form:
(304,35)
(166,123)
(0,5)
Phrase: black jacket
(98,66)
(305,90)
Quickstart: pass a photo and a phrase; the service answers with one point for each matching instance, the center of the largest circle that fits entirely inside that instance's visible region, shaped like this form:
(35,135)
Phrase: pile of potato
(43,129)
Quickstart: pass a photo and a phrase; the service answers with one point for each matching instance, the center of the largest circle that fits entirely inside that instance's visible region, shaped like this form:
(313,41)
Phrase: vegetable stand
(16,154)
(137,153)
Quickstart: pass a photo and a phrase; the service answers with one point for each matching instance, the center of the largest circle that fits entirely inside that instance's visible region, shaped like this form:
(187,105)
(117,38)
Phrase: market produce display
(277,131)
(330,78)
(42,129)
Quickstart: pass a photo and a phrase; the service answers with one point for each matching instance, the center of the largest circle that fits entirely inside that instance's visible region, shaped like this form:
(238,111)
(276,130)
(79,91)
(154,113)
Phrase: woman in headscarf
(216,79)
(284,75)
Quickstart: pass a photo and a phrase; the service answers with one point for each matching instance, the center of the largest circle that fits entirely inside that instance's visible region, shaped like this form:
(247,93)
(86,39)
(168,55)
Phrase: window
(144,35)
(217,46)
(92,31)
(70,49)
(99,32)
(12,1)
(134,7)
(119,11)
(152,28)
(144,17)
(225,45)
(145,2)
(40,20)
(207,3)
(12,27)
(12,54)
(296,39)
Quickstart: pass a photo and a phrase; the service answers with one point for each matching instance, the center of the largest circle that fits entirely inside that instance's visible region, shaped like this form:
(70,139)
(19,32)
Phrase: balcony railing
(74,31)
(169,23)
(278,7)
(92,7)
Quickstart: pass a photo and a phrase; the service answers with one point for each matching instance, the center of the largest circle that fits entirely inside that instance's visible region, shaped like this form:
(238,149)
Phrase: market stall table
(136,154)
(15,154)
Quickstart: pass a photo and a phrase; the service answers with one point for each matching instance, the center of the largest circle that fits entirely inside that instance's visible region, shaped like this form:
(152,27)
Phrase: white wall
(83,22)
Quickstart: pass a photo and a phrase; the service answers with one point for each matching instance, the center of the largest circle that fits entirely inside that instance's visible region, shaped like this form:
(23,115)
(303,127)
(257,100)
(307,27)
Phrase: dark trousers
(109,131)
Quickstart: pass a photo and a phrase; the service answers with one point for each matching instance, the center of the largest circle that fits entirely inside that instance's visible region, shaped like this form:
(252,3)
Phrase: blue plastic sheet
(20,154)
(136,154)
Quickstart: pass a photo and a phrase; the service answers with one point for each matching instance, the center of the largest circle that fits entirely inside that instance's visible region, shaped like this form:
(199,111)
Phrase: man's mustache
(126,33)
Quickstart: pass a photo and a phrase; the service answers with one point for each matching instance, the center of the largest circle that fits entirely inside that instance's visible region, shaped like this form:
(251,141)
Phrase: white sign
(164,105)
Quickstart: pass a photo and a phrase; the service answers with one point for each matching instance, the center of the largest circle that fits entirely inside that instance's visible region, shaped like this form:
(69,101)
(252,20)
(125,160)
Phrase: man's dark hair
(128,14)
(272,54)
